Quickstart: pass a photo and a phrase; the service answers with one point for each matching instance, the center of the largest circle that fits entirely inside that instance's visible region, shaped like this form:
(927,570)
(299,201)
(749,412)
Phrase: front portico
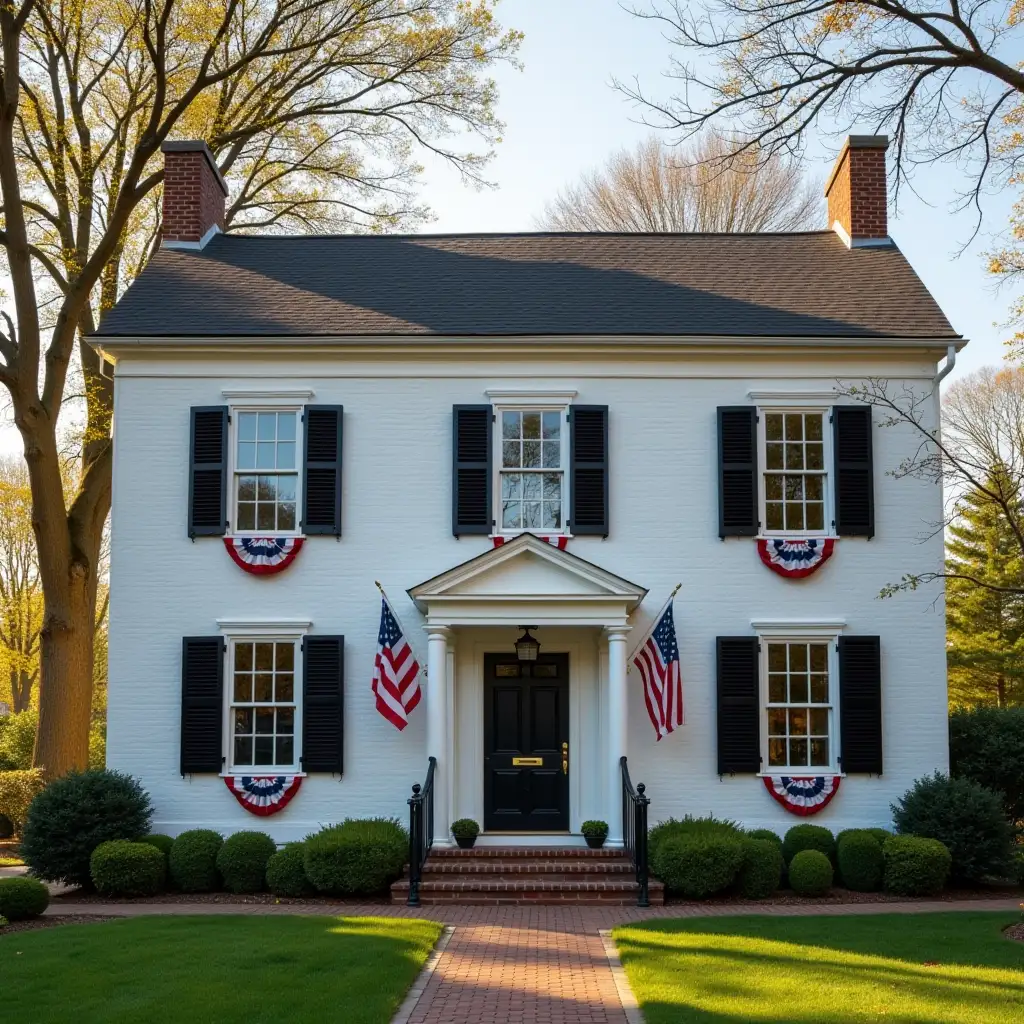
(581,612)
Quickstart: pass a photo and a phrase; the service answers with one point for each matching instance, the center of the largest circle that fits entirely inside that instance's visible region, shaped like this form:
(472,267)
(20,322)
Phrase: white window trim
(828,476)
(797,632)
(248,631)
(530,401)
(286,395)
(233,413)
(796,399)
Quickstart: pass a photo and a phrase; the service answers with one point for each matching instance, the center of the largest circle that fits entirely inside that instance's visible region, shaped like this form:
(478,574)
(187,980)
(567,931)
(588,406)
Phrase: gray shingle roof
(806,284)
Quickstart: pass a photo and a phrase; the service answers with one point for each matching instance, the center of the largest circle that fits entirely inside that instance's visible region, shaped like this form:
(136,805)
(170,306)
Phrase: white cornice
(531,396)
(797,627)
(267,394)
(264,627)
(792,397)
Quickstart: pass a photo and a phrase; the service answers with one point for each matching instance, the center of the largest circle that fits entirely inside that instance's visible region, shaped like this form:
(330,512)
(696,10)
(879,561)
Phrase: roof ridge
(229,235)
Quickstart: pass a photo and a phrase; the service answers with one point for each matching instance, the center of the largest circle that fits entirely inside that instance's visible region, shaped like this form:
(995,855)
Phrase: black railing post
(640,844)
(415,844)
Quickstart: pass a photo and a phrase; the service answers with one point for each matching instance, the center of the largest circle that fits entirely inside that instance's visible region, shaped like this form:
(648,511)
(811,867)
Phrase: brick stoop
(496,875)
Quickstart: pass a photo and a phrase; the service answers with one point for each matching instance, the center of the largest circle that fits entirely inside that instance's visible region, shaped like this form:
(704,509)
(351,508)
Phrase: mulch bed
(52,921)
(1015,931)
(838,896)
(262,898)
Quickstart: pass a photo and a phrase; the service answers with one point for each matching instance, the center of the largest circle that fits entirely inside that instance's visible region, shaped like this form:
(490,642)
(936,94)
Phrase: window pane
(531,454)
(813,425)
(285,750)
(285,686)
(265,519)
(246,517)
(507,671)
(531,424)
(286,455)
(286,426)
(511,485)
(552,515)
(819,721)
(263,687)
(815,517)
(794,456)
(794,488)
(268,426)
(815,457)
(510,513)
(243,720)
(776,657)
(794,426)
(243,657)
(532,486)
(247,426)
(552,486)
(286,516)
(510,453)
(798,689)
(264,720)
(819,753)
(531,515)
(797,722)
(284,657)
(552,454)
(264,657)
(774,460)
(819,689)
(773,426)
(247,488)
(773,516)
(777,753)
(819,657)
(265,451)
(773,487)
(263,750)
(510,424)
(777,721)
(243,750)
(552,424)
(797,752)
(797,657)
(246,455)
(266,488)
(794,516)
(777,689)
(243,687)
(813,488)
(285,721)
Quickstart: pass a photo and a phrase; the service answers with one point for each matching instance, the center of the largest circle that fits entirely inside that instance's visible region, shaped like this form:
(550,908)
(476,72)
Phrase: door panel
(526,717)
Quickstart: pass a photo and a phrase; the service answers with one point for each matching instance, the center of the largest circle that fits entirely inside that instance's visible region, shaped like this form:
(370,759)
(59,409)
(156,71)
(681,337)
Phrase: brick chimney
(857,193)
(194,194)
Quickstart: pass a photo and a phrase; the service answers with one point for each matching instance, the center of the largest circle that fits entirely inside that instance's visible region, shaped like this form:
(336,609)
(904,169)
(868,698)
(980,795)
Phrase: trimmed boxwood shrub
(193,860)
(915,866)
(966,818)
(122,868)
(242,861)
(765,833)
(986,745)
(810,873)
(286,872)
(359,857)
(74,814)
(808,837)
(675,828)
(22,898)
(697,866)
(880,834)
(161,842)
(859,860)
(761,871)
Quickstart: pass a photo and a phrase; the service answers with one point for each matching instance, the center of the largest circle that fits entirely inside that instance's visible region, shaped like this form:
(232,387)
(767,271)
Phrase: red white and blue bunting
(803,796)
(264,795)
(558,542)
(795,558)
(263,555)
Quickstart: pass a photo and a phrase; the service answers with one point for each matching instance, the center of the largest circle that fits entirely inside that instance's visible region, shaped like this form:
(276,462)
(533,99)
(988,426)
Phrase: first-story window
(266,471)
(263,708)
(799,708)
(532,474)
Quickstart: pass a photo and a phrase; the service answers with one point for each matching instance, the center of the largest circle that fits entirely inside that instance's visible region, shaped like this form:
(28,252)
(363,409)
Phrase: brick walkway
(524,965)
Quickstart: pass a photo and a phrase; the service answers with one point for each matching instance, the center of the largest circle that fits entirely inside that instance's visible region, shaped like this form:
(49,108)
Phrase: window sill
(290,772)
(255,535)
(801,774)
(797,535)
(512,534)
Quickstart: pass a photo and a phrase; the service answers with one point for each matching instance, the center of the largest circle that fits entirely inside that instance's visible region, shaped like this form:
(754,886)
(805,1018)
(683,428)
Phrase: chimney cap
(197,146)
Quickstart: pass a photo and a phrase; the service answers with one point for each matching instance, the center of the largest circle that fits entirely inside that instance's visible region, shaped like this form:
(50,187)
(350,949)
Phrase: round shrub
(22,898)
(810,873)
(193,860)
(767,834)
(161,842)
(3,922)
(286,872)
(966,818)
(761,871)
(808,837)
(674,828)
(698,866)
(74,814)
(859,860)
(122,868)
(915,866)
(242,861)
(880,834)
(359,857)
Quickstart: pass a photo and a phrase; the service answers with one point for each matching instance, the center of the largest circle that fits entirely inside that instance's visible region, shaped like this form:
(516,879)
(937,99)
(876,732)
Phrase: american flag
(658,661)
(395,671)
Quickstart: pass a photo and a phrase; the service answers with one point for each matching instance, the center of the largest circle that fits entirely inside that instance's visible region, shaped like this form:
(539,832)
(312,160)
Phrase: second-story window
(532,473)
(266,471)
(795,481)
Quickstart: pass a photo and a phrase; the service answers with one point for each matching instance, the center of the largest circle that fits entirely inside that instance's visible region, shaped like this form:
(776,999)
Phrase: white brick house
(404,404)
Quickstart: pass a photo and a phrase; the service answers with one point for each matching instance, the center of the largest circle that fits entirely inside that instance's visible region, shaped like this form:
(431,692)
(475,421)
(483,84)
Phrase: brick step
(509,852)
(486,892)
(529,877)
(584,866)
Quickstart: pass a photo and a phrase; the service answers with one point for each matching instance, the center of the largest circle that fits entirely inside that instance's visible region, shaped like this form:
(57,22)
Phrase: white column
(437,726)
(617,718)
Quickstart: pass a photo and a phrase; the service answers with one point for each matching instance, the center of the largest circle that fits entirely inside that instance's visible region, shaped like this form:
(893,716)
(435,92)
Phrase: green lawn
(201,970)
(912,969)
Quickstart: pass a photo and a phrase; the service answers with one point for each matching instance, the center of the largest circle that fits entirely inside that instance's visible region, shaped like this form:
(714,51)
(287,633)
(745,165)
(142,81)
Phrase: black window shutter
(739,705)
(851,444)
(208,471)
(737,471)
(202,703)
(323,703)
(321,495)
(588,461)
(471,469)
(860,704)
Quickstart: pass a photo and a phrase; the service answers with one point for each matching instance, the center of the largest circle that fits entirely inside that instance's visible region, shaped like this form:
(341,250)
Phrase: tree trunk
(21,689)
(65,681)
(1000,692)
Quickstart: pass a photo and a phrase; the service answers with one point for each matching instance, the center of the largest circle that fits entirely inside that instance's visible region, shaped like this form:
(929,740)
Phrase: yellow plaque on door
(536,762)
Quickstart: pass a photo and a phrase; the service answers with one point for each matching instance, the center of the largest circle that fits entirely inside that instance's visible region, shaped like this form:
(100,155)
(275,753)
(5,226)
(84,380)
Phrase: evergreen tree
(984,627)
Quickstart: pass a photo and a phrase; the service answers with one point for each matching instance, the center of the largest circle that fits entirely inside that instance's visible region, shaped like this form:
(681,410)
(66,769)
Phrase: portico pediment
(527,579)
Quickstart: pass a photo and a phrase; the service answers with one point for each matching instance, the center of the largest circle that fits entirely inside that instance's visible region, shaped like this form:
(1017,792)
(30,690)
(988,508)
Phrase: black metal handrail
(421,830)
(634,831)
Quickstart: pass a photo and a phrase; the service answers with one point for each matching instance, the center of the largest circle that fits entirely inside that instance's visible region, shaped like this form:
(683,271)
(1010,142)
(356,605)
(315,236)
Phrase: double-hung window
(799,719)
(266,471)
(794,488)
(263,711)
(532,461)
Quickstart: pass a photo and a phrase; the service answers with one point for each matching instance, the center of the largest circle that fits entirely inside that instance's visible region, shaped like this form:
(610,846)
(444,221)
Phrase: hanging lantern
(527,647)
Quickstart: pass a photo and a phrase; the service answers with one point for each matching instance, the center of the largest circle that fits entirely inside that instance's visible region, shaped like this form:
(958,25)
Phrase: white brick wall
(397,528)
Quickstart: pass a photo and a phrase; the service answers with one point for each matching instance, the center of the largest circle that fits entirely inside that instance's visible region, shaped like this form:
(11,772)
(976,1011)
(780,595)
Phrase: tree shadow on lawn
(245,969)
(916,969)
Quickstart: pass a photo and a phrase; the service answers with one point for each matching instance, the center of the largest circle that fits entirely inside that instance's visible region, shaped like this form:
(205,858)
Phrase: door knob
(565,758)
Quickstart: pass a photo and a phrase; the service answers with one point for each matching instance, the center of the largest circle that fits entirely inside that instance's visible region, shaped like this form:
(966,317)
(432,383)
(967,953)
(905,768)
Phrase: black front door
(526,743)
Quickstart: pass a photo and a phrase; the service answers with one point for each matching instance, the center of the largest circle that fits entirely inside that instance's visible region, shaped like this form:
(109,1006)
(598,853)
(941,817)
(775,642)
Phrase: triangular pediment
(528,568)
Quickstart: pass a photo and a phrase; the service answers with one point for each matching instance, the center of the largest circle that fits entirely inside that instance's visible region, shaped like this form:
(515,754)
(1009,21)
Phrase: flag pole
(654,626)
